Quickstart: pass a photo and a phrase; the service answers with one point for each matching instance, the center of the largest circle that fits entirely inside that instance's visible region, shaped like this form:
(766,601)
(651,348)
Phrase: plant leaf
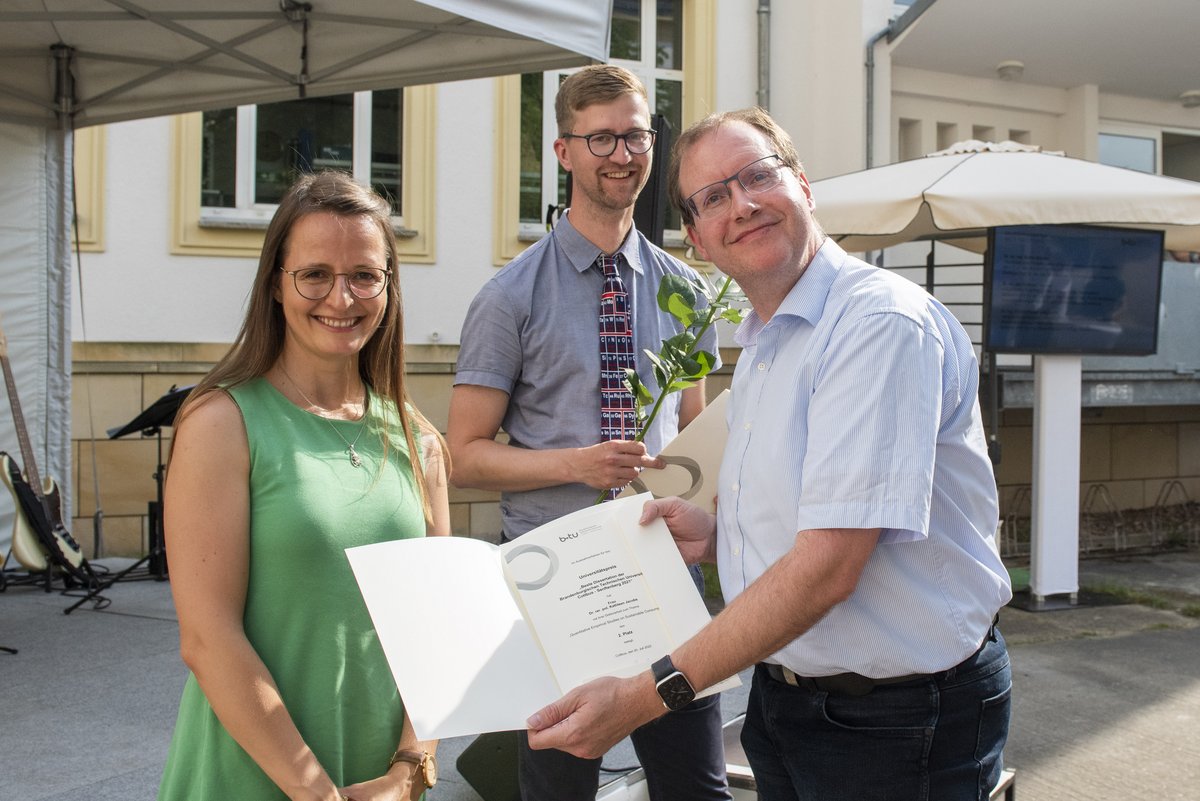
(639,391)
(683,341)
(657,360)
(707,363)
(682,312)
(676,285)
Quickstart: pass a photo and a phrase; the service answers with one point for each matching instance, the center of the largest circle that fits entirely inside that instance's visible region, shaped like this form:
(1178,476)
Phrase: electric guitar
(40,540)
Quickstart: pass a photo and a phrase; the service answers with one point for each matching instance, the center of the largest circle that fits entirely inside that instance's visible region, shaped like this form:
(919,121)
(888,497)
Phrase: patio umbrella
(958,193)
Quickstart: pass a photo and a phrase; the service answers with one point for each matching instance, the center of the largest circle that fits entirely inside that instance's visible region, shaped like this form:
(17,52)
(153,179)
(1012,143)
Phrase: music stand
(149,423)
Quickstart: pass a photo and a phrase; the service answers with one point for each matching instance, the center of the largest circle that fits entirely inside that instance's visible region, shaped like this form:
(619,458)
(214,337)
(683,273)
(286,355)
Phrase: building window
(1171,152)
(1131,152)
(648,40)
(251,154)
(1181,155)
(234,165)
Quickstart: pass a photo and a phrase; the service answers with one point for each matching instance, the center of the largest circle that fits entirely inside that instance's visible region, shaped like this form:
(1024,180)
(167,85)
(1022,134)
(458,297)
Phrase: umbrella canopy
(960,192)
(110,60)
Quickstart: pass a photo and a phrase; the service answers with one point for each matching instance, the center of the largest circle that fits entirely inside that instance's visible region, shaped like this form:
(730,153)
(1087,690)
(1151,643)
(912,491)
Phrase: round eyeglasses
(604,144)
(315,283)
(757,176)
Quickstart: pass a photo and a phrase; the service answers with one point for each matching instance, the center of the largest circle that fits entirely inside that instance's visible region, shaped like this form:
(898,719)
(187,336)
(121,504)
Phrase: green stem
(675,374)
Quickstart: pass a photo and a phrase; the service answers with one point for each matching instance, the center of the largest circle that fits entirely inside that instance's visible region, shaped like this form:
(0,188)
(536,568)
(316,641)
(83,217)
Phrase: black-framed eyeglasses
(315,283)
(758,176)
(604,143)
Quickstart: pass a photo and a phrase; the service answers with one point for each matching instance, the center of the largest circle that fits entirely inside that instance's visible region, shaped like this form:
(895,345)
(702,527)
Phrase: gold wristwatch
(426,764)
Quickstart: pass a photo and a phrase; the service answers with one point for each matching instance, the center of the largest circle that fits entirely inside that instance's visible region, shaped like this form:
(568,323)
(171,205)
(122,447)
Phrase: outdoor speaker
(650,211)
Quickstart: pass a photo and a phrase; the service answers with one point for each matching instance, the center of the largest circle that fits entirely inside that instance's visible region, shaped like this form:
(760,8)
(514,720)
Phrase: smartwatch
(673,687)
(426,764)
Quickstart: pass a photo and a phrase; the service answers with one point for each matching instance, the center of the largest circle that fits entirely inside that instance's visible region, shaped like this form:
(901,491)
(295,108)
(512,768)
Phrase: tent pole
(64,85)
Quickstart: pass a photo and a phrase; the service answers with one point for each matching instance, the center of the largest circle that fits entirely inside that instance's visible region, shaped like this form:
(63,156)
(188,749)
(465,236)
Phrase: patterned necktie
(618,420)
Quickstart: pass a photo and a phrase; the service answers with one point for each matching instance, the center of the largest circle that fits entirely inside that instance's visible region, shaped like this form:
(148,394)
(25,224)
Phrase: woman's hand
(400,783)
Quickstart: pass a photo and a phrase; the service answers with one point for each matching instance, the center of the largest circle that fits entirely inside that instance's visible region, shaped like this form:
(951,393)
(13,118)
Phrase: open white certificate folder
(479,636)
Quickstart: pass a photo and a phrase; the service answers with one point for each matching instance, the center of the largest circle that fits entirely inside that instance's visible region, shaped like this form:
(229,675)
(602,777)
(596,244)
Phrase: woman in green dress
(299,444)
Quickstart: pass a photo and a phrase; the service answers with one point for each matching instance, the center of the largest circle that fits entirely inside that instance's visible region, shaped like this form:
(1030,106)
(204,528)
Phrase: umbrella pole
(1054,538)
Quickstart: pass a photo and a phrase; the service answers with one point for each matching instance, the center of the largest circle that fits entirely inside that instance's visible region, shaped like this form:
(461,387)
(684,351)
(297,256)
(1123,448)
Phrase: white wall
(135,291)
(436,295)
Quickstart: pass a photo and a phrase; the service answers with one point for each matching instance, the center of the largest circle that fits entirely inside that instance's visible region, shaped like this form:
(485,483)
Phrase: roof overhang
(1142,49)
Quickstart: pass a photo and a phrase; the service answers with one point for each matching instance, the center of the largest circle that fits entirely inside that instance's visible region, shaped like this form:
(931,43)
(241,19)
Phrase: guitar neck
(31,471)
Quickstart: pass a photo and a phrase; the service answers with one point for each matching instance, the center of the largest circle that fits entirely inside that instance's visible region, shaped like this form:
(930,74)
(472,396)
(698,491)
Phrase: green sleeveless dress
(304,614)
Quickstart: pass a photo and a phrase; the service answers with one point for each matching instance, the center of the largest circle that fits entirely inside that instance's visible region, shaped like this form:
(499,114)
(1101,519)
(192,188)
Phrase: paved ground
(1107,696)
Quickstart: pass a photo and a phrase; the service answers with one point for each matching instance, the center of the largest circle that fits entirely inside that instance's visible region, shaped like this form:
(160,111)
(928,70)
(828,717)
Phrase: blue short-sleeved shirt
(532,331)
(855,406)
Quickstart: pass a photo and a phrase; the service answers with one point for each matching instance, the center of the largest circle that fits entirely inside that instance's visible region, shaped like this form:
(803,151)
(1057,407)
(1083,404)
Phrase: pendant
(354,457)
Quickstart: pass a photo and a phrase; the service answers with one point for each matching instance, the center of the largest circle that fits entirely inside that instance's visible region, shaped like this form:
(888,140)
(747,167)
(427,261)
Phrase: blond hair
(599,83)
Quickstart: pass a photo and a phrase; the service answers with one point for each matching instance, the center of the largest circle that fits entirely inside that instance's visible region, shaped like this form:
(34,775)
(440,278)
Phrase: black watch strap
(662,668)
(673,687)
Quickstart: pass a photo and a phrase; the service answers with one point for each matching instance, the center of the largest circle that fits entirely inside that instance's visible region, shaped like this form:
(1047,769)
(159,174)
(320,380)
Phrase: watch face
(430,768)
(676,692)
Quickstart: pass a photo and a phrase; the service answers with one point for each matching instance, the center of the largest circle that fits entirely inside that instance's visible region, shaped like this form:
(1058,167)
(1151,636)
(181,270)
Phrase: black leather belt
(855,684)
(840,683)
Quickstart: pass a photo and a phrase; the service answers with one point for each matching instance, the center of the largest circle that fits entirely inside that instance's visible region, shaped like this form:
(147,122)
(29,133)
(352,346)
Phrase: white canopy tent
(108,60)
(65,64)
(957,194)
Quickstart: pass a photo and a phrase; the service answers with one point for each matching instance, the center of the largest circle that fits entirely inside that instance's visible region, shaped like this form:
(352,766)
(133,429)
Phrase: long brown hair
(259,343)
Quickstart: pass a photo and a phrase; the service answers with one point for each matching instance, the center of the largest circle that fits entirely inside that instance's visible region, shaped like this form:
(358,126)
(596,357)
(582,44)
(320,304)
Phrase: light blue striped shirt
(855,406)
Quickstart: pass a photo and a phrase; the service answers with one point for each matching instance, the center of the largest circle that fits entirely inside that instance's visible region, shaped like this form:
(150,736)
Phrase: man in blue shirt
(856,516)
(530,361)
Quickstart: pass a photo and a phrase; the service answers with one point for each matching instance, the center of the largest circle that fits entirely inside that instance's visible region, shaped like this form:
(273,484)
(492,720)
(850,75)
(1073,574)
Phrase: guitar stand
(153,565)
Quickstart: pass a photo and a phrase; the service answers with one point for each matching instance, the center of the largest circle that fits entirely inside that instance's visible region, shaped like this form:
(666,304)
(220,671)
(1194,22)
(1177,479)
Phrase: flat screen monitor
(1072,289)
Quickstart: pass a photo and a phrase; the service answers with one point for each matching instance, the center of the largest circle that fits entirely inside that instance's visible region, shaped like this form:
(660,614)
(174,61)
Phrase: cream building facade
(171,210)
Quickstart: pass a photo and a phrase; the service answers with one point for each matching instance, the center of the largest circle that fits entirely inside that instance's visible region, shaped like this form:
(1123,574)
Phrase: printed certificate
(480,636)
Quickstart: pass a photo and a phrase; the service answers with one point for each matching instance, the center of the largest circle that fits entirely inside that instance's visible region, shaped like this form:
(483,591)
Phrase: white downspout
(764,54)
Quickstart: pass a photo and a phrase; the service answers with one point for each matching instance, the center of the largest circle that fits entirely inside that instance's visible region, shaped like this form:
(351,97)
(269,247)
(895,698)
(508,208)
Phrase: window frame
(208,231)
(90,146)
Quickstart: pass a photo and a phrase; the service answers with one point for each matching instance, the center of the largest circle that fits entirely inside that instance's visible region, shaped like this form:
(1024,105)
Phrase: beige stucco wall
(114,382)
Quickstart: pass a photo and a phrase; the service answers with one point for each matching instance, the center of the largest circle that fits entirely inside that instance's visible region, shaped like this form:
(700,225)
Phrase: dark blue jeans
(682,753)
(939,739)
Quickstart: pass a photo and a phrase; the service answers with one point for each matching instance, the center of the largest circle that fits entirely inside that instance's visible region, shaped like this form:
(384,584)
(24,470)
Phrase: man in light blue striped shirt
(855,533)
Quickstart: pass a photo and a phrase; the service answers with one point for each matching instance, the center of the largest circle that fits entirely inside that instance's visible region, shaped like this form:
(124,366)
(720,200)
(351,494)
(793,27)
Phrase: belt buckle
(849,684)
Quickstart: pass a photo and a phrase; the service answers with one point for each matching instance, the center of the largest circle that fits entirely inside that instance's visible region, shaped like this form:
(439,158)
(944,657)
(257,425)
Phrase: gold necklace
(355,459)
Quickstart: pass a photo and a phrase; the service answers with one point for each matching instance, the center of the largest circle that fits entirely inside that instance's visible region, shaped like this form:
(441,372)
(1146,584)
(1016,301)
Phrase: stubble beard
(601,198)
